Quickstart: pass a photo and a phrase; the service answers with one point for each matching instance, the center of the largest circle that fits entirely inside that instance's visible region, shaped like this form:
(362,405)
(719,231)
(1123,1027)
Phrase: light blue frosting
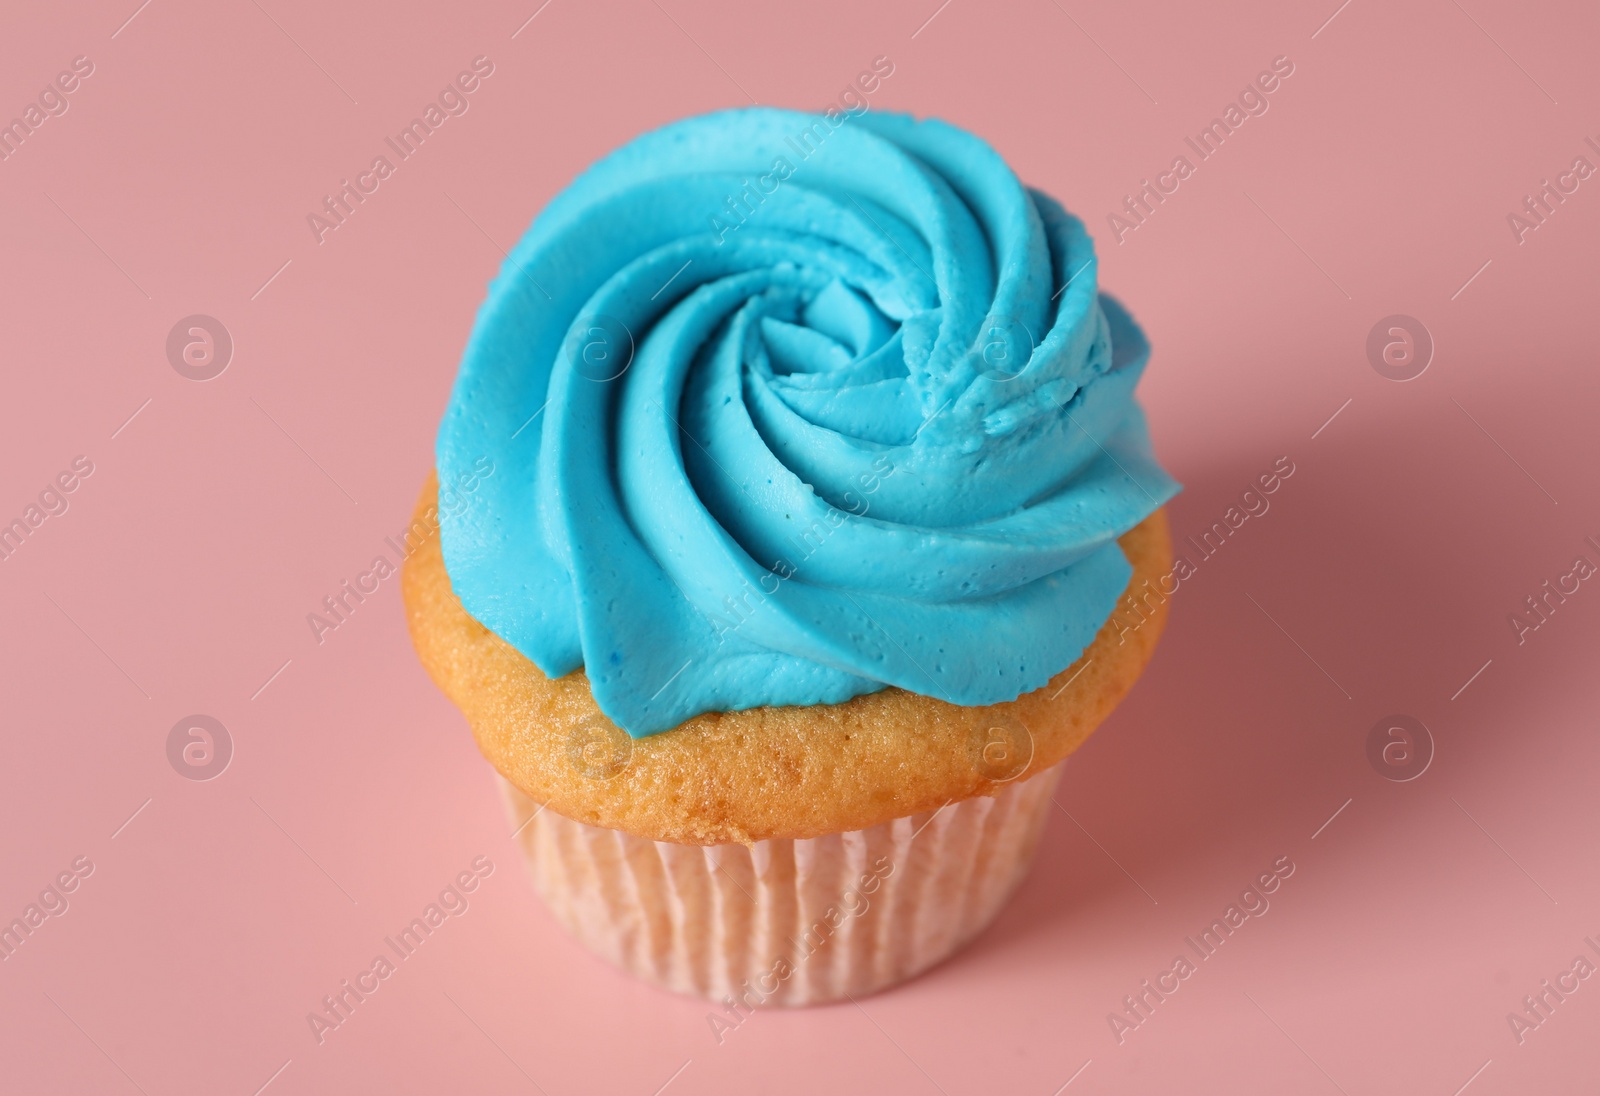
(784,410)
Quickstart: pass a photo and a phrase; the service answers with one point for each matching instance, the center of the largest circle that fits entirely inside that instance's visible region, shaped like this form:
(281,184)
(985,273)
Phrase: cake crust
(773,772)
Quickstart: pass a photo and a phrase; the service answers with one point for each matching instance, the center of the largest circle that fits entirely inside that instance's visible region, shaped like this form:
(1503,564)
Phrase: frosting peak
(792,408)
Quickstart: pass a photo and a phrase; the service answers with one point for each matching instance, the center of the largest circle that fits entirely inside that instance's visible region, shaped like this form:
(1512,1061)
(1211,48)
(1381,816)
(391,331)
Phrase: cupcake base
(787,921)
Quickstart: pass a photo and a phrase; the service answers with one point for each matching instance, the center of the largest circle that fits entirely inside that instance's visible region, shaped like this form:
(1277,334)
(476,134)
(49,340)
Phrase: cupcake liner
(787,922)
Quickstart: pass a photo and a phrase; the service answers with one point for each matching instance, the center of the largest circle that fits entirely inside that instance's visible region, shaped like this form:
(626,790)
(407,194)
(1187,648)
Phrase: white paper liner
(788,922)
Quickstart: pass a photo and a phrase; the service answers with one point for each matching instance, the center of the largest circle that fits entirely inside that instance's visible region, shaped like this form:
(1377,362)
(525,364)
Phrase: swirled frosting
(784,409)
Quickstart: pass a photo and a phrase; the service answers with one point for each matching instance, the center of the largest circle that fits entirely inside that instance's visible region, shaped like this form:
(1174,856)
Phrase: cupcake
(786,496)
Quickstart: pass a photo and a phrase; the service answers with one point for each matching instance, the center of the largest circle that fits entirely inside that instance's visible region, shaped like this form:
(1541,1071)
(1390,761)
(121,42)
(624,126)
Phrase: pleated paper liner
(788,922)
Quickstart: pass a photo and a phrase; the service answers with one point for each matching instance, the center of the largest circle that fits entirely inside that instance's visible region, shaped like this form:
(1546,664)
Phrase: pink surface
(178,580)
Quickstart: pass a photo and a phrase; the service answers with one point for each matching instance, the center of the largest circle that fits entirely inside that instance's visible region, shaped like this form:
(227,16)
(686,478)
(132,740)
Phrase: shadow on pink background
(218,514)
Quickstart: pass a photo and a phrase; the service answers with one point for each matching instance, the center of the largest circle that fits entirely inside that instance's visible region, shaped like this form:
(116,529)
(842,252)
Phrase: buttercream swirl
(786,409)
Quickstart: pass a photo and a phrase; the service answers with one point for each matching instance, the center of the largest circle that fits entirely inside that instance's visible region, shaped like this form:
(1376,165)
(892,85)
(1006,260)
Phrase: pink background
(179,580)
